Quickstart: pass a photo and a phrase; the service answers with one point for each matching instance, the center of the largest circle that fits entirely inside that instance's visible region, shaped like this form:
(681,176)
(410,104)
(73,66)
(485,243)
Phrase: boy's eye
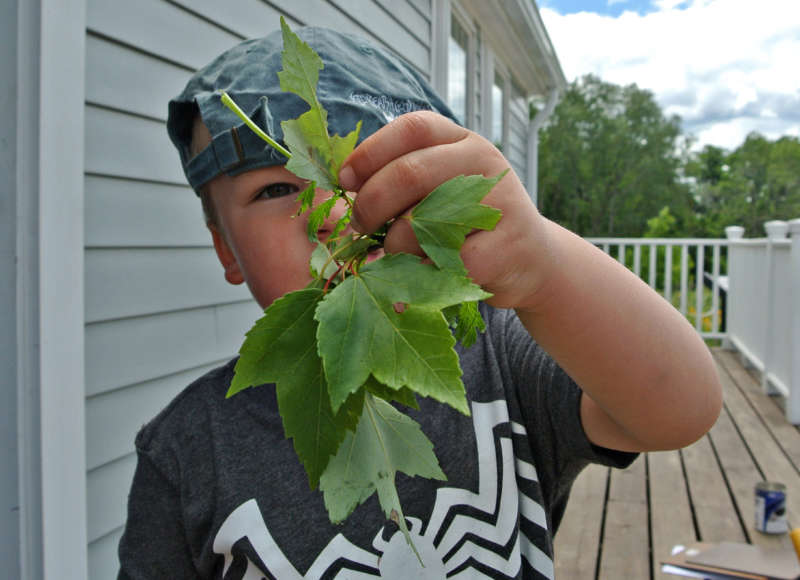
(279,189)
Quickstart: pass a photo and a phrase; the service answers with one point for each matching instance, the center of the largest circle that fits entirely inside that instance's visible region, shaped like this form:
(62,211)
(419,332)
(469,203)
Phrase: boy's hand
(397,166)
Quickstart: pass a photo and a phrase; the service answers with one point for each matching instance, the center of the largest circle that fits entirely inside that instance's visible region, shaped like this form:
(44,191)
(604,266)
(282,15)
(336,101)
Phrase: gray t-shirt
(219,492)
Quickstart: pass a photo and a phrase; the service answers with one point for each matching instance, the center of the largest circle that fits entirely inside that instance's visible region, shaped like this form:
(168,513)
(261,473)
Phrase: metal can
(771,508)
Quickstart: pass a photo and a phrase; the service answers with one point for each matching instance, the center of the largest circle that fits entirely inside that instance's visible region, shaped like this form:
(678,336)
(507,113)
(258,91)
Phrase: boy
(219,492)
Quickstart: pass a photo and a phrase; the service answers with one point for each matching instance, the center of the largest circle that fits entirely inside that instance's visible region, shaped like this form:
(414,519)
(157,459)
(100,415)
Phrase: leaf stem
(229,102)
(328,283)
(343,194)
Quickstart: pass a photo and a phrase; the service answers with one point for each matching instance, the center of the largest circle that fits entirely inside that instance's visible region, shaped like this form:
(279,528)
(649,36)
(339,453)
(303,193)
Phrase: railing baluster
(666,281)
(698,321)
(652,266)
(668,273)
(715,318)
(684,277)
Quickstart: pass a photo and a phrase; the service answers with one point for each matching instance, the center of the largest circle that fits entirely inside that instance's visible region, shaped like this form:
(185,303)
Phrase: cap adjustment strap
(223,154)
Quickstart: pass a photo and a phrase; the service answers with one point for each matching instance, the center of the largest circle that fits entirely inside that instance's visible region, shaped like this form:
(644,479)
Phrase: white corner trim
(61,288)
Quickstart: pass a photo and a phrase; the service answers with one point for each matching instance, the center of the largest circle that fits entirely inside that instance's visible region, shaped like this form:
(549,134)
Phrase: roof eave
(517,33)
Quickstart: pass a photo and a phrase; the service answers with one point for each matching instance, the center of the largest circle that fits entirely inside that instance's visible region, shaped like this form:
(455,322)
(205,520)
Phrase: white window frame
(443,11)
(493,67)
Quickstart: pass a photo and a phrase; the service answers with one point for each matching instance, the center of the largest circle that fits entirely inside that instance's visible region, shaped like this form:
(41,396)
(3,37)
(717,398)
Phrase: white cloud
(669,4)
(726,67)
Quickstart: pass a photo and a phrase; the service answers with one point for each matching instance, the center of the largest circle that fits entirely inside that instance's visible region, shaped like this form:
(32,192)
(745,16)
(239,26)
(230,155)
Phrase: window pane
(497,110)
(457,70)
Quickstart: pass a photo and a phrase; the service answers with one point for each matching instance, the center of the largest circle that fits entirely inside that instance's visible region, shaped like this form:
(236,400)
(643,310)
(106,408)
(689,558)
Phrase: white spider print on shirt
(453,555)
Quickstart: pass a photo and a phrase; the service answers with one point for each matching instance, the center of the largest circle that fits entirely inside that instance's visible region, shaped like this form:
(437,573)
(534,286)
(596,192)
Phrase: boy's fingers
(401,183)
(407,133)
(400,238)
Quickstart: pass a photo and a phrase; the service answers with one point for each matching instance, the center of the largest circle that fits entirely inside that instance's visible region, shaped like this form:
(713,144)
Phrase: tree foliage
(612,164)
(610,160)
(757,182)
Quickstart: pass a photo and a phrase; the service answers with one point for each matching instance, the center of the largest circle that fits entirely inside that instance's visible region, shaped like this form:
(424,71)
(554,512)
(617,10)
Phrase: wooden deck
(620,523)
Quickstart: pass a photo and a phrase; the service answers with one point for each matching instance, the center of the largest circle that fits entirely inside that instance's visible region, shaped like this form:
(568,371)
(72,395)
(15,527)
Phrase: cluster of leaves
(364,334)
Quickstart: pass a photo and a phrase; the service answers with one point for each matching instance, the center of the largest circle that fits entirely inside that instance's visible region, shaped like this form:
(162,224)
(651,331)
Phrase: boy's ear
(232,272)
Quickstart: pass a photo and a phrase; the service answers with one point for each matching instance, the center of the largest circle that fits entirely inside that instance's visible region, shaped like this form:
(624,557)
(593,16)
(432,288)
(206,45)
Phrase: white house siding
(158,312)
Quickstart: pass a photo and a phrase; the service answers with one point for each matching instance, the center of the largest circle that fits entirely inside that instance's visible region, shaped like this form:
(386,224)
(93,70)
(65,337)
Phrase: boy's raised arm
(649,381)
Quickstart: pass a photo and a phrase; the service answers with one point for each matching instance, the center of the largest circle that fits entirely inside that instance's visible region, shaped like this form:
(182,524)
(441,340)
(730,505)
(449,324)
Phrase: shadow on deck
(619,524)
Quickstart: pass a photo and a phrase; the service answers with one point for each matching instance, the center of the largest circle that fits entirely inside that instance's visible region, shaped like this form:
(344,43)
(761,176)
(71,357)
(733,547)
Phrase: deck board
(578,539)
(768,408)
(769,456)
(740,470)
(710,495)
(702,492)
(625,541)
(670,513)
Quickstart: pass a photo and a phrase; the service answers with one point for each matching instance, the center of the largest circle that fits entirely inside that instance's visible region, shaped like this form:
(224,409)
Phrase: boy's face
(259,238)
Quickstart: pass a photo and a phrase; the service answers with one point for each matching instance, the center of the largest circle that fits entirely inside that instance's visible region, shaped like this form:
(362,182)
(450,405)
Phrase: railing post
(793,402)
(776,231)
(732,233)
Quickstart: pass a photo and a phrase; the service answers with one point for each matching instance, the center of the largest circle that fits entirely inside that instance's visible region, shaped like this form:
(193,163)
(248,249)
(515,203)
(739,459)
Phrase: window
(498,110)
(458,47)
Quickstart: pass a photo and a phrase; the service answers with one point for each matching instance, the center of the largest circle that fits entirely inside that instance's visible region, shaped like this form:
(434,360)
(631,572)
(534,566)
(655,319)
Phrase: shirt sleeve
(154,542)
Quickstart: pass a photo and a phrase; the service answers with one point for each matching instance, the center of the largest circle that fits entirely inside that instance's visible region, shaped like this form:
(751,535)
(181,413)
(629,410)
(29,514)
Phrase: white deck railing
(743,291)
(689,273)
(764,308)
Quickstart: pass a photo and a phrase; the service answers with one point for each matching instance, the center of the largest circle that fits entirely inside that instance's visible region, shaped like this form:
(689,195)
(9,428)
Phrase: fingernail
(347,178)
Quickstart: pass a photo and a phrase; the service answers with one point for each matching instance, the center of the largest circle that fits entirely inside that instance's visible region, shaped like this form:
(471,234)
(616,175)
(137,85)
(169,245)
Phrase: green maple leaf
(350,247)
(322,264)
(308,160)
(318,216)
(466,321)
(443,219)
(316,431)
(384,443)
(404,396)
(286,330)
(341,147)
(301,66)
(306,197)
(362,333)
(281,348)
(316,156)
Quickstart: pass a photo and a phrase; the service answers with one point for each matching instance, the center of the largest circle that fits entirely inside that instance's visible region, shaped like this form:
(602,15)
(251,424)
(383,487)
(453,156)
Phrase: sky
(726,67)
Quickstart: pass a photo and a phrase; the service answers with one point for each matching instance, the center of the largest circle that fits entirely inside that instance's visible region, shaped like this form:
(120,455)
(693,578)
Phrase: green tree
(757,182)
(610,160)
(662,225)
